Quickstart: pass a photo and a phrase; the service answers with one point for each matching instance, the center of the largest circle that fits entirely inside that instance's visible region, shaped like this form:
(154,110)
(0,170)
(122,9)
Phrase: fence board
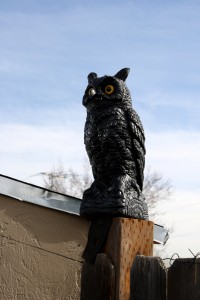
(184,279)
(148,279)
(98,280)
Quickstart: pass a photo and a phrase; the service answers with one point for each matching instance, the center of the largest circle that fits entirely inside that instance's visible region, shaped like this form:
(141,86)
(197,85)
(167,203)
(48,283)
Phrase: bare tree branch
(156,189)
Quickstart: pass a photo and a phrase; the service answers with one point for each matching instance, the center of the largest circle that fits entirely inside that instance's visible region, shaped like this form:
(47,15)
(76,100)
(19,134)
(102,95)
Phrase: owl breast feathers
(114,140)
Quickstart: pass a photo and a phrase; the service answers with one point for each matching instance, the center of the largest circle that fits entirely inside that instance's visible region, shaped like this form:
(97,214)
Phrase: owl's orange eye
(109,89)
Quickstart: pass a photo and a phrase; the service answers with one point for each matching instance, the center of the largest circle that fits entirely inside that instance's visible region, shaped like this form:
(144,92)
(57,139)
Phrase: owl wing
(91,141)
(138,144)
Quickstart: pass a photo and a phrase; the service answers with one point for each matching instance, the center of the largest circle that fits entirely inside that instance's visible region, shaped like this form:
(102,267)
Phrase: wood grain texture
(184,279)
(105,278)
(127,238)
(148,279)
(98,280)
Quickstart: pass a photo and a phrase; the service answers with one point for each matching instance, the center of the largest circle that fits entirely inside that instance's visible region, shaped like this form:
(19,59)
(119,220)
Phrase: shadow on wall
(39,226)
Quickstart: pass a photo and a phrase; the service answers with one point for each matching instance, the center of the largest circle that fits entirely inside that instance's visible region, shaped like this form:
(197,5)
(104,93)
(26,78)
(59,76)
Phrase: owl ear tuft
(91,77)
(122,74)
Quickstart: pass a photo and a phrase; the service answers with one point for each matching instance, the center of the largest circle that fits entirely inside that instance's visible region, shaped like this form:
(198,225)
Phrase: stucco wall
(40,252)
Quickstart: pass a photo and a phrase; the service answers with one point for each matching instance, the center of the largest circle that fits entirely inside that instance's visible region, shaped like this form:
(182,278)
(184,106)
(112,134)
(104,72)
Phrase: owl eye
(109,89)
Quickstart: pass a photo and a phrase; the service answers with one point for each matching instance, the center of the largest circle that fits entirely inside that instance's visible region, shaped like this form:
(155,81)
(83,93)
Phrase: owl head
(107,90)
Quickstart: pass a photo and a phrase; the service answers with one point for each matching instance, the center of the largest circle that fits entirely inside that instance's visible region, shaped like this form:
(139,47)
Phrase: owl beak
(92,92)
(87,97)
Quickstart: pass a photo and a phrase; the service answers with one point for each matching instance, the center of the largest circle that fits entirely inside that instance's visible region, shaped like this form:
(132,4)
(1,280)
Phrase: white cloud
(177,155)
(26,150)
(184,215)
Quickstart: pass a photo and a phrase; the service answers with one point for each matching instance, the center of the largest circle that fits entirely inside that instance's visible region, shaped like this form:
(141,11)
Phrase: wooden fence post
(184,279)
(126,239)
(148,279)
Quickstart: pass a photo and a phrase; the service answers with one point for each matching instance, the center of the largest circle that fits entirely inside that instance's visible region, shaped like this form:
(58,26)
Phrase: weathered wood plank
(88,285)
(98,280)
(148,279)
(184,279)
(105,278)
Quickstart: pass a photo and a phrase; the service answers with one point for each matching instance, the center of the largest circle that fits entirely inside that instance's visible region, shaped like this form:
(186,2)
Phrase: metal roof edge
(34,194)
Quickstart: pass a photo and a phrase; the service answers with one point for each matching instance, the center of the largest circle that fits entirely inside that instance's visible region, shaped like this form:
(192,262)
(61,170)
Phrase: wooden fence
(126,269)
(151,281)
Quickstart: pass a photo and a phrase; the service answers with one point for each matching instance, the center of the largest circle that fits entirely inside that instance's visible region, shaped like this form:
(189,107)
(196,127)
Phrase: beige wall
(40,252)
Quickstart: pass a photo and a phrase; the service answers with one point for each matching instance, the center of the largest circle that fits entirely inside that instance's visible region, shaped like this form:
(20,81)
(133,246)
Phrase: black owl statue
(114,141)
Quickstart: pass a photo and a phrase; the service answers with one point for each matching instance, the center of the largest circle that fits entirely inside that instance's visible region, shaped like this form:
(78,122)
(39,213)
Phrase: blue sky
(47,50)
